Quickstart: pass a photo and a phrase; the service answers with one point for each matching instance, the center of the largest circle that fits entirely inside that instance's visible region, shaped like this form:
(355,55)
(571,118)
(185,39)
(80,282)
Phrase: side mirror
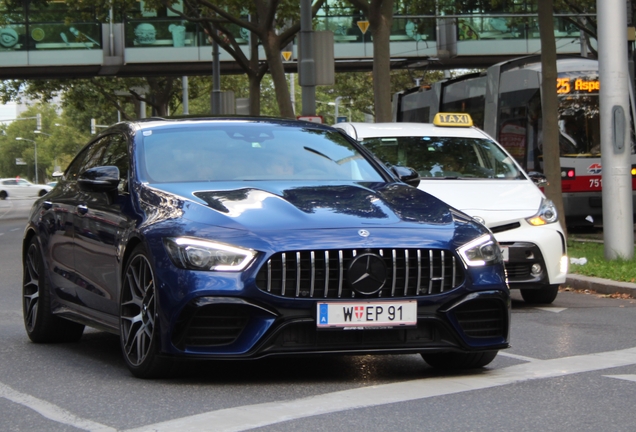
(99,179)
(57,174)
(538,178)
(407,175)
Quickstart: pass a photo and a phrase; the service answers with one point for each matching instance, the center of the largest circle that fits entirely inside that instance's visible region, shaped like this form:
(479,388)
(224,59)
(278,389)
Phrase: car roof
(361,130)
(185,121)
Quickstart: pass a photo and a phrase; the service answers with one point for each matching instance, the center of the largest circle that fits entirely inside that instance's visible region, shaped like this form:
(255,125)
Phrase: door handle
(82,209)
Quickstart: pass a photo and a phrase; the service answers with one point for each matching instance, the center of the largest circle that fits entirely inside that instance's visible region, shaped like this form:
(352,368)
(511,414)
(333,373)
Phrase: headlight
(547,214)
(196,254)
(481,251)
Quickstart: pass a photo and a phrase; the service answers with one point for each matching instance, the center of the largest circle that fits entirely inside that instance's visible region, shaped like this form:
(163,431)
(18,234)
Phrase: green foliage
(597,266)
(56,145)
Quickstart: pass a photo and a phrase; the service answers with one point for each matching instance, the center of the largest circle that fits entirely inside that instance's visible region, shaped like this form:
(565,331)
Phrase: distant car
(20,188)
(466,168)
(247,238)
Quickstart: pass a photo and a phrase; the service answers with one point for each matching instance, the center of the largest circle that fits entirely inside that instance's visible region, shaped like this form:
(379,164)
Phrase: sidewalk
(601,286)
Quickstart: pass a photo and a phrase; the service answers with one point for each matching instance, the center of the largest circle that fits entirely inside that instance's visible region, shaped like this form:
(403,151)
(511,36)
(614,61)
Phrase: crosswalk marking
(51,411)
(622,377)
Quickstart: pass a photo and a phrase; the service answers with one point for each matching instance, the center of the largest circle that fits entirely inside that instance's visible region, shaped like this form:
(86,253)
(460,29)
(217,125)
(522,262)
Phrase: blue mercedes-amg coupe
(240,238)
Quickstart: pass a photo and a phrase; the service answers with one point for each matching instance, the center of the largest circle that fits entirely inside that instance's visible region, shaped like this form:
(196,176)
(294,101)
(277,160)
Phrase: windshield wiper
(318,153)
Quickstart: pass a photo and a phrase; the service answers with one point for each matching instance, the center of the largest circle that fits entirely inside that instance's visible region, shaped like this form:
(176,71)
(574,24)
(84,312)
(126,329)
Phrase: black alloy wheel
(41,324)
(139,331)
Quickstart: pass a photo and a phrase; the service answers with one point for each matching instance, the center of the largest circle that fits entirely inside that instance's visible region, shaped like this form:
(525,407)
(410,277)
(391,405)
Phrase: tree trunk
(254,76)
(275,61)
(380,21)
(549,104)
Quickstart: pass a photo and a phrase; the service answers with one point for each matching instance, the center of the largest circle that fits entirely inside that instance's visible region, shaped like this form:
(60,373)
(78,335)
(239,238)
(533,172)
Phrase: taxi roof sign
(453,119)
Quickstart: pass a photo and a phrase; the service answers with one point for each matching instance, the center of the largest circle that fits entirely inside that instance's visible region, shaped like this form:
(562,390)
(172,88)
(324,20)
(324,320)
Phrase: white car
(20,188)
(466,168)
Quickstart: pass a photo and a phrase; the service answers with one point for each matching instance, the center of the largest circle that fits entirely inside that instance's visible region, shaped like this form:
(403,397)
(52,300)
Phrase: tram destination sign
(577,85)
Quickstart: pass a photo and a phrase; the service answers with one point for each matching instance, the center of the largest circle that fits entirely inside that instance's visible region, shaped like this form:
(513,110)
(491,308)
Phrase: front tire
(3,195)
(458,361)
(540,296)
(139,316)
(41,325)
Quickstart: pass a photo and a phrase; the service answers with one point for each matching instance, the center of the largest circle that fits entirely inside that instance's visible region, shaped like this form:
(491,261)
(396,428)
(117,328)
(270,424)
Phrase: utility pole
(307,64)
(618,220)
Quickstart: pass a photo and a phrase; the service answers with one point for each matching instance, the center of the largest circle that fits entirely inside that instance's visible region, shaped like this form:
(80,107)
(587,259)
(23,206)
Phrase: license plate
(505,253)
(359,315)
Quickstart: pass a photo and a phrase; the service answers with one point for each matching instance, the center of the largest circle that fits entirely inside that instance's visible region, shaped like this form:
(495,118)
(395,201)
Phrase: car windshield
(250,151)
(446,157)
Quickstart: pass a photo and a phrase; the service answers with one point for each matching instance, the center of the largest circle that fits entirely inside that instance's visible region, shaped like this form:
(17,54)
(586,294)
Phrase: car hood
(277,211)
(307,206)
(493,200)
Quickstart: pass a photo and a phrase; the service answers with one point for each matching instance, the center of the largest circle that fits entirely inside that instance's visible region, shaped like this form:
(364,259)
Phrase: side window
(116,154)
(88,158)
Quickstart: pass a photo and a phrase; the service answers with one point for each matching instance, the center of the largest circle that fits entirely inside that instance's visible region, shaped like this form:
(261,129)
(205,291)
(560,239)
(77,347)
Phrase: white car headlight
(547,214)
(197,254)
(482,251)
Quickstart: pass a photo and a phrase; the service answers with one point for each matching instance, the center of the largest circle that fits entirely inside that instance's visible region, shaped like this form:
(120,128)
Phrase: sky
(8,111)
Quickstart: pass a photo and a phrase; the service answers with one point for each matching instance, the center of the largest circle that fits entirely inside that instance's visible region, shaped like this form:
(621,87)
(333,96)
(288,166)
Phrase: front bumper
(233,328)
(528,245)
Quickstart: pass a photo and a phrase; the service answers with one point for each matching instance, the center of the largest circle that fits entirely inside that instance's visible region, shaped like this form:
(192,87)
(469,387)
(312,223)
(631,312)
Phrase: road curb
(602,286)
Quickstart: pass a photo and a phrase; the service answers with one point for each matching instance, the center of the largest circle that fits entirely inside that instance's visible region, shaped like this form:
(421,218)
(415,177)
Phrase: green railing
(50,35)
(174,32)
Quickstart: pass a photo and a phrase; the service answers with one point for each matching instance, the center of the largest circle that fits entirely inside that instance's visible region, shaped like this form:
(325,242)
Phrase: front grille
(210,326)
(323,273)
(482,318)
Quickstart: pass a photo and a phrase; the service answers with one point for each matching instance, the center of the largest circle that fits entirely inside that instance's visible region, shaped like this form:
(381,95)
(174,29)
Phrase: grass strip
(619,269)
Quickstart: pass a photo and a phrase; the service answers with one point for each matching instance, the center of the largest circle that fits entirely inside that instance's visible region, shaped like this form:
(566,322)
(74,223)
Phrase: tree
(550,103)
(273,22)
(357,91)
(380,15)
(57,143)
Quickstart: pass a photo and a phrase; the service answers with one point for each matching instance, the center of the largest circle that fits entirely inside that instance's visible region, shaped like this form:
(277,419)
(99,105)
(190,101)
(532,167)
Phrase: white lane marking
(622,377)
(517,356)
(15,229)
(6,212)
(252,416)
(50,411)
(551,309)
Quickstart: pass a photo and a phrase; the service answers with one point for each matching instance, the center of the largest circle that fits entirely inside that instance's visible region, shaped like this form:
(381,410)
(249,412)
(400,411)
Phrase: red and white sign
(313,119)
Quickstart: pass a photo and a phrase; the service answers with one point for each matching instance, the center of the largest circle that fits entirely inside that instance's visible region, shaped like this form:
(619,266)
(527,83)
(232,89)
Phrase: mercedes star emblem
(367,273)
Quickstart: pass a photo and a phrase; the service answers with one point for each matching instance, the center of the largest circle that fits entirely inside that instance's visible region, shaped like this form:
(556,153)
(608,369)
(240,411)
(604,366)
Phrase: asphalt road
(572,367)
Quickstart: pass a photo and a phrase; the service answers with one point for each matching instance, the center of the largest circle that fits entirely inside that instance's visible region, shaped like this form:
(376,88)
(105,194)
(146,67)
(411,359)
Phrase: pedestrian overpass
(170,46)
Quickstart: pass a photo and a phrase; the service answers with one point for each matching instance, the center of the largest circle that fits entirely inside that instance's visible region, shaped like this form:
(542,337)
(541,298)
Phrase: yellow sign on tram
(565,85)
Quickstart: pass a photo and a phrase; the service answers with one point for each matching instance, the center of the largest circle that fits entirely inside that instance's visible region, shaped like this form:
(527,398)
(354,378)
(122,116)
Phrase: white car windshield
(446,157)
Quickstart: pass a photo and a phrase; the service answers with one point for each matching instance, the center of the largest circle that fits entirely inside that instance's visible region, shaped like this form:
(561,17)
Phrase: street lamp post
(35,148)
